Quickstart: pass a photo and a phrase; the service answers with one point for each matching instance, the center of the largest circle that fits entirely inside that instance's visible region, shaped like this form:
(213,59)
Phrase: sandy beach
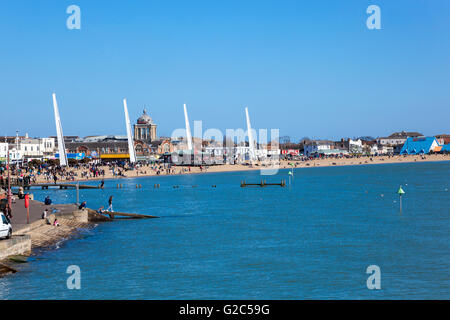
(147,170)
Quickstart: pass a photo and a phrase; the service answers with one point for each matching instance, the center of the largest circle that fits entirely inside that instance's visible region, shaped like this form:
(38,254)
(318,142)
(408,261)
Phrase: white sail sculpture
(59,134)
(251,142)
(130,137)
(188,129)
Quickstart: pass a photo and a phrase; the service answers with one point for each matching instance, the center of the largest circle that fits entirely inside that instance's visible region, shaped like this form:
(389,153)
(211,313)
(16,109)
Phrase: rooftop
(145,118)
(404,134)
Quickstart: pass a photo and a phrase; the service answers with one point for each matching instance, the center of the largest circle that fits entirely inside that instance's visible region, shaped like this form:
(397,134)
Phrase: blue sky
(309,68)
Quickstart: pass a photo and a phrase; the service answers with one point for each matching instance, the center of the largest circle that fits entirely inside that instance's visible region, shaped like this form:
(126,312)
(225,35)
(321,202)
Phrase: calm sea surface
(313,240)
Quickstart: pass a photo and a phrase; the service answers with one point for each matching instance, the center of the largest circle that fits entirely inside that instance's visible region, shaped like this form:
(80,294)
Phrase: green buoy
(291,176)
(400,193)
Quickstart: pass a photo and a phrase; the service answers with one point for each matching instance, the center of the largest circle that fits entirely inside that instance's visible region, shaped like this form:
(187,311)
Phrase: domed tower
(145,129)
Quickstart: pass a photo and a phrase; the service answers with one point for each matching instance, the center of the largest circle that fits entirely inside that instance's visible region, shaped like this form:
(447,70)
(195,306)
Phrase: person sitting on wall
(21,194)
(100,210)
(8,212)
(47,201)
(82,205)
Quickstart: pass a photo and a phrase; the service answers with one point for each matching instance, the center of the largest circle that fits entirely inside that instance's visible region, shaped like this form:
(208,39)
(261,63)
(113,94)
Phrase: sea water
(313,239)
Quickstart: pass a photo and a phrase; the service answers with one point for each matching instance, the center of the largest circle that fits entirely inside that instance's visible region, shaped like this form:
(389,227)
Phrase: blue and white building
(420,145)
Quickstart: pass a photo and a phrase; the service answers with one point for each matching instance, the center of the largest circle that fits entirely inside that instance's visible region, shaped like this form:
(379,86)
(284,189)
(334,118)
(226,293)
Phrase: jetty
(15,182)
(55,185)
(263,183)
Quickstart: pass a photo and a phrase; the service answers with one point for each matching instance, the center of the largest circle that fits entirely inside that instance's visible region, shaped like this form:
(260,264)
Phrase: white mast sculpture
(250,137)
(59,134)
(130,137)
(188,129)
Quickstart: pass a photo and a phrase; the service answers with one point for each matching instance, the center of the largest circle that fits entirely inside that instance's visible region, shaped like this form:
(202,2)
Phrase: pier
(54,185)
(263,183)
(21,183)
(60,186)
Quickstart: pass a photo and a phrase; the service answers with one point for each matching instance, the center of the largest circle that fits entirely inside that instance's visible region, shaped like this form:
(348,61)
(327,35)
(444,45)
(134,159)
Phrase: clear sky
(309,68)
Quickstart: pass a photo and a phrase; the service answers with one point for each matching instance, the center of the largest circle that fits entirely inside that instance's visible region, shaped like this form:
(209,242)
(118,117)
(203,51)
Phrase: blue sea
(313,239)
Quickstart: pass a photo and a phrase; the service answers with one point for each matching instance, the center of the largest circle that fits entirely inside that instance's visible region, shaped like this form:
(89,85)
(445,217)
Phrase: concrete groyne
(17,245)
(40,233)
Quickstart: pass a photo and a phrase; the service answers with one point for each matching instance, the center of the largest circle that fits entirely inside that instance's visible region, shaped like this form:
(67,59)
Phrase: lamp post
(78,193)
(400,193)
(17,139)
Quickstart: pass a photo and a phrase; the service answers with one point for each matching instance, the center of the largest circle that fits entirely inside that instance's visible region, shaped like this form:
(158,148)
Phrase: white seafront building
(3,151)
(355,146)
(37,147)
(25,148)
(317,147)
(14,153)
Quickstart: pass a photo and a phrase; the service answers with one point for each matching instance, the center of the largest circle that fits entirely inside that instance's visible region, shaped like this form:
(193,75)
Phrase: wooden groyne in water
(5,269)
(263,183)
(109,216)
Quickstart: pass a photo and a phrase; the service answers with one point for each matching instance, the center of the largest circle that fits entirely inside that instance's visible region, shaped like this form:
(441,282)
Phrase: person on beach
(44,214)
(56,223)
(110,206)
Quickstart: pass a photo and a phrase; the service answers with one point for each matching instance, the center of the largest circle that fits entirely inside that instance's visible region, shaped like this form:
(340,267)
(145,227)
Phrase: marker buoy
(400,192)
